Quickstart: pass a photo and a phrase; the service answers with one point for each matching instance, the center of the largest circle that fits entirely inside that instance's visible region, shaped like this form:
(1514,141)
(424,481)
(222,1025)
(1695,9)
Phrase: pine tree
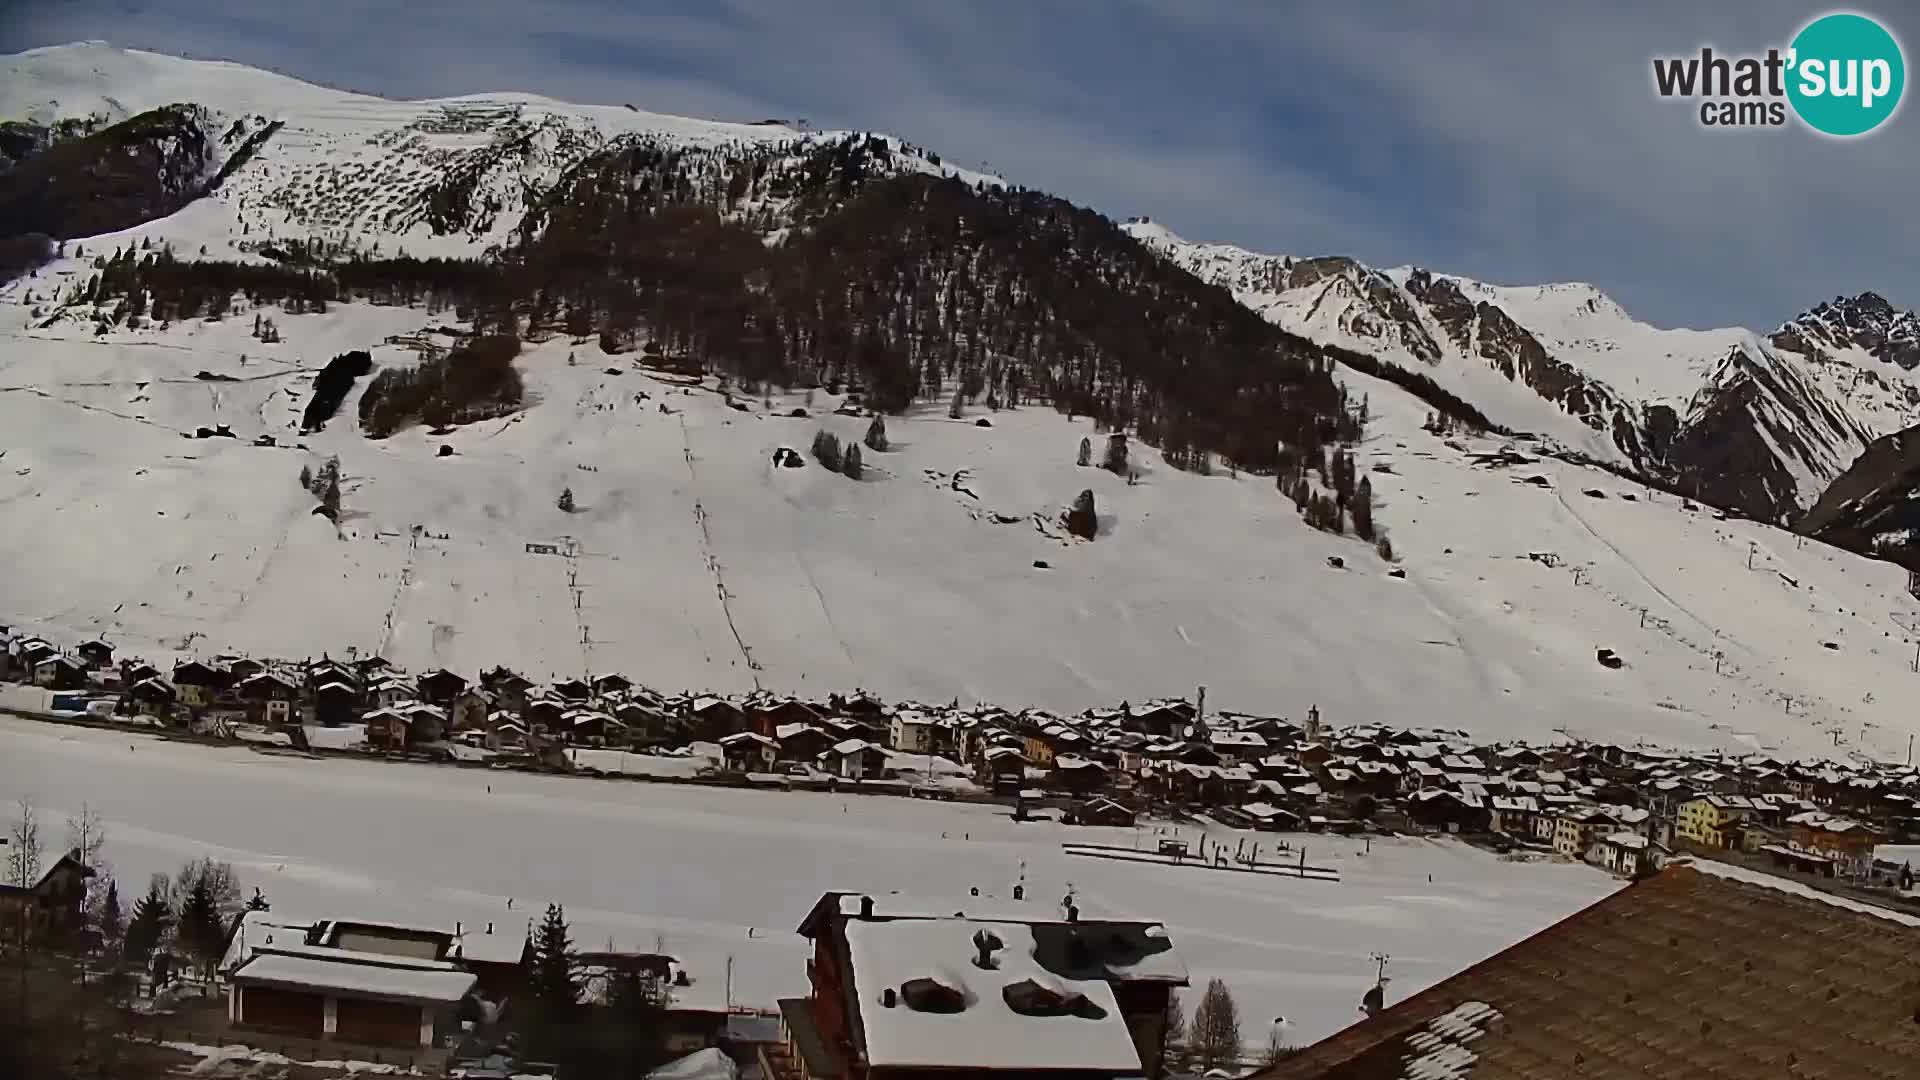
(850,462)
(565,502)
(826,449)
(306,477)
(1362,509)
(111,920)
(258,901)
(330,494)
(1086,453)
(876,439)
(148,924)
(1216,1028)
(953,410)
(198,921)
(1081,520)
(553,981)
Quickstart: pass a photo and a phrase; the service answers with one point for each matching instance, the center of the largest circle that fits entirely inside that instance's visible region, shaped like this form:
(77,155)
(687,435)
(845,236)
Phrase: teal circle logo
(1845,74)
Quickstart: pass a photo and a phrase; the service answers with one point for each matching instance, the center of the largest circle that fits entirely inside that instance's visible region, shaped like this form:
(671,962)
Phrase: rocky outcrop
(136,171)
(1874,507)
(1867,322)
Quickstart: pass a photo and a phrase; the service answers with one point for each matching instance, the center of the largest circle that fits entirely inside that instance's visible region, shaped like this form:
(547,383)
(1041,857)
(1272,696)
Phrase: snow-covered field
(701,565)
(719,874)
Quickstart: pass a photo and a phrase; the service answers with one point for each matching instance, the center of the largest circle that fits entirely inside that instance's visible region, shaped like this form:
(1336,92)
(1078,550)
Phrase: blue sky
(1510,142)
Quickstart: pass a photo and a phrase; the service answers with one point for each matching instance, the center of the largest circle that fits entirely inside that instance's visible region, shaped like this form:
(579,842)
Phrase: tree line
(908,287)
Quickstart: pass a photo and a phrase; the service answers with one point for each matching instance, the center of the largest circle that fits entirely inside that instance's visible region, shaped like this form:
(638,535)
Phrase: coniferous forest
(829,267)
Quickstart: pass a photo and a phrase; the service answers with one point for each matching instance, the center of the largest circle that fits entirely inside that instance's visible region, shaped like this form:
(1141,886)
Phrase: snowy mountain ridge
(1756,423)
(451,177)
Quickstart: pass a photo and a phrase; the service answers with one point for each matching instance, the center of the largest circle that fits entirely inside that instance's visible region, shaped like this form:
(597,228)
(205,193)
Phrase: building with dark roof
(1703,970)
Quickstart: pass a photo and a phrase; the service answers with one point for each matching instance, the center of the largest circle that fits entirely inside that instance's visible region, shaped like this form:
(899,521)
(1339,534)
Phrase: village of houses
(1846,829)
(1618,808)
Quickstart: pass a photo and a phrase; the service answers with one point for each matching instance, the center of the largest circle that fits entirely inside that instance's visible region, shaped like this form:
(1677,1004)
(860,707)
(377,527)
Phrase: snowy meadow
(720,878)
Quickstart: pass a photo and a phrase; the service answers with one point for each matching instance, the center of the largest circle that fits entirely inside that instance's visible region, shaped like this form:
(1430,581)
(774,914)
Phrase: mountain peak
(1866,322)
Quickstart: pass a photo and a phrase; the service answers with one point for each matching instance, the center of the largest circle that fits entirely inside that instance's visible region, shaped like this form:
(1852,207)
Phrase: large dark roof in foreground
(1699,973)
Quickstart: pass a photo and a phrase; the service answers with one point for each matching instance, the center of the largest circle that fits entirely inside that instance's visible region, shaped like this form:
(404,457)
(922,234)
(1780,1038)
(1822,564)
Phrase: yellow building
(1712,820)
(1575,832)
(1039,750)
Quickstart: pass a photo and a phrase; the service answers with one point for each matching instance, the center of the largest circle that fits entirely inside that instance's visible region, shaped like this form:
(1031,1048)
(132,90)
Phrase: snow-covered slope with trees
(450,177)
(692,560)
(693,557)
(1753,423)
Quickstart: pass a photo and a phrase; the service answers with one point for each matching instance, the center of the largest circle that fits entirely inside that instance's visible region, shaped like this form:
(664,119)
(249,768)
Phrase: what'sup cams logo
(1842,76)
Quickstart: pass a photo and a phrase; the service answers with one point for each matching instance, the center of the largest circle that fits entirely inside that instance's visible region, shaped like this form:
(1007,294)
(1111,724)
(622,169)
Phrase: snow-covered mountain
(1753,423)
(440,178)
(781,272)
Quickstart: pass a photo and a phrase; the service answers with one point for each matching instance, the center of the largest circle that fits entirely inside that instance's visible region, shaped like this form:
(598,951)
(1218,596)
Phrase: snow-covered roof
(259,929)
(986,1033)
(1795,888)
(709,1064)
(390,981)
(1239,738)
(1628,840)
(495,948)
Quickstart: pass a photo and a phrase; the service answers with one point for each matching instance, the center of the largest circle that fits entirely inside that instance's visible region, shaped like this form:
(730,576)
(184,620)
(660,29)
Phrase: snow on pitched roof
(846,747)
(494,948)
(987,1033)
(259,929)
(440,986)
(740,737)
(1629,840)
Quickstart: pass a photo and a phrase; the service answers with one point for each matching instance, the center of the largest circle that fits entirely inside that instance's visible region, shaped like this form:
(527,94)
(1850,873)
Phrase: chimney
(889,997)
(987,943)
(866,907)
(1073,913)
(489,928)
(457,928)
(1019,892)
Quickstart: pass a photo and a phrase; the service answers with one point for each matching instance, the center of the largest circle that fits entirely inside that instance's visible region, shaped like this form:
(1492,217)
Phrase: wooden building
(1700,970)
(321,992)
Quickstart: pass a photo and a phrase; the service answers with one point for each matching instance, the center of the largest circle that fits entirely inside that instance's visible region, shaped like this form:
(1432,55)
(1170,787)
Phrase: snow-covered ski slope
(692,561)
(355,169)
(717,876)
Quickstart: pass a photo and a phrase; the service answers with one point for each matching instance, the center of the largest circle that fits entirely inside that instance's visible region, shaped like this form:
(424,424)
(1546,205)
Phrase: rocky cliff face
(136,171)
(1874,507)
(1755,425)
(1866,322)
